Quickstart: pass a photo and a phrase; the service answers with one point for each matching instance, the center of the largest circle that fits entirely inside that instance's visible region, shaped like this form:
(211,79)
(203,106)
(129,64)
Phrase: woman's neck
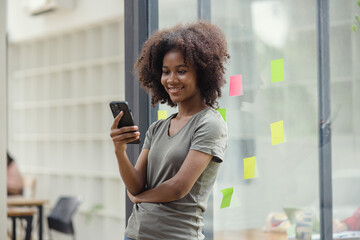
(189,110)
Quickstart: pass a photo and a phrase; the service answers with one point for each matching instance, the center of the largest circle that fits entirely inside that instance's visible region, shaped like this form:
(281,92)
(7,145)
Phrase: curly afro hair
(203,46)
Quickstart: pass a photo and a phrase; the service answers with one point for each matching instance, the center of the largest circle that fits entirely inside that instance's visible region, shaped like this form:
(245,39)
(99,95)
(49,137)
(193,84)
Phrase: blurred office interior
(65,66)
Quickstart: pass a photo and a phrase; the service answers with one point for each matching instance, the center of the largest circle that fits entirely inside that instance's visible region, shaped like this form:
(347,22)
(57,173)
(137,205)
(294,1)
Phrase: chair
(60,218)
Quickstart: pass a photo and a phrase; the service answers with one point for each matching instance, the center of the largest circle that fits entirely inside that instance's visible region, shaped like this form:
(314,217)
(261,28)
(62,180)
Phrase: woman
(176,169)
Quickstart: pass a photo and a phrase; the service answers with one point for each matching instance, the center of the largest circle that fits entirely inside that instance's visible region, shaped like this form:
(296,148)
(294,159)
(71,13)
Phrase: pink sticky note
(235,86)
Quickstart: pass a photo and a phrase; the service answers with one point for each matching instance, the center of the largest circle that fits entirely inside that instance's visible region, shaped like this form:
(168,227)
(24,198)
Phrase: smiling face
(179,79)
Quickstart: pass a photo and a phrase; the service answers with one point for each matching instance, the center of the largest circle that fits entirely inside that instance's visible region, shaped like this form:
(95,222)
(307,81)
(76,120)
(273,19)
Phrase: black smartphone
(127,118)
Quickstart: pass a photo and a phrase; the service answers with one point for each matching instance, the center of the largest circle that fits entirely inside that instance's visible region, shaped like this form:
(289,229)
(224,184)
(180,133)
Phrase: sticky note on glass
(235,86)
(249,167)
(222,111)
(277,70)
(277,132)
(227,195)
(162,114)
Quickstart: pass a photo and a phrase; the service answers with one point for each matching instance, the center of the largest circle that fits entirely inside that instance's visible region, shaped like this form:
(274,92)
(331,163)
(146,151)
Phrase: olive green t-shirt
(206,131)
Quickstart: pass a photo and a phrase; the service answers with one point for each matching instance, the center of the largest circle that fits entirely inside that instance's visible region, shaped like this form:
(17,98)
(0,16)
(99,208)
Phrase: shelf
(119,215)
(37,170)
(115,214)
(64,102)
(59,137)
(33,72)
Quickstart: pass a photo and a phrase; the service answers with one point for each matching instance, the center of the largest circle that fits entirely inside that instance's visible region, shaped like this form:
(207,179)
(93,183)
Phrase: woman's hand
(124,135)
(134,177)
(131,197)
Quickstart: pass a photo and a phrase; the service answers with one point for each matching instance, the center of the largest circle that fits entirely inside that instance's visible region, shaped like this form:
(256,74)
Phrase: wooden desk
(249,234)
(22,213)
(19,201)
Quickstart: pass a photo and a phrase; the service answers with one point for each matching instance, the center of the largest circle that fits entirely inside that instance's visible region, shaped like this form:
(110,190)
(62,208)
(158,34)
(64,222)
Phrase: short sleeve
(152,131)
(210,137)
(148,136)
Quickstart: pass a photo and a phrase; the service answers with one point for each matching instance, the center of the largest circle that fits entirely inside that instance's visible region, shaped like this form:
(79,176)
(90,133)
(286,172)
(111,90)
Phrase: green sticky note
(227,195)
(249,167)
(162,114)
(277,132)
(277,70)
(222,111)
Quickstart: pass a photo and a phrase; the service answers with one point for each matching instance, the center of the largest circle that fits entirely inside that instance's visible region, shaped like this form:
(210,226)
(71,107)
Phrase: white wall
(64,69)
(22,25)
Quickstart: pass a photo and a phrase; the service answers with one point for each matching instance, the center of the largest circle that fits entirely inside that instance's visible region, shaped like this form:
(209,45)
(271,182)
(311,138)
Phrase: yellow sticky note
(249,167)
(222,111)
(162,114)
(227,195)
(277,132)
(277,70)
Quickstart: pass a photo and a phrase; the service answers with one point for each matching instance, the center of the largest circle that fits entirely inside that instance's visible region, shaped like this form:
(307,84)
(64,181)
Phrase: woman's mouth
(175,90)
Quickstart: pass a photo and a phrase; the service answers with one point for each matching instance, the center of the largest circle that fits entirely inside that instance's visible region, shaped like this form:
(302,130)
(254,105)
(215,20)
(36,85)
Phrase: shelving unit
(59,119)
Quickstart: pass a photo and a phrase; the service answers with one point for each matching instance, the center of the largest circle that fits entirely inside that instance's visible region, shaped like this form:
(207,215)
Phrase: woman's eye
(165,72)
(181,71)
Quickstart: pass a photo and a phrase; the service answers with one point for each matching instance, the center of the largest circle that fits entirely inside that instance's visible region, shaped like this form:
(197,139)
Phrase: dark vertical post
(129,86)
(325,180)
(204,10)
(3,119)
(153,21)
(137,24)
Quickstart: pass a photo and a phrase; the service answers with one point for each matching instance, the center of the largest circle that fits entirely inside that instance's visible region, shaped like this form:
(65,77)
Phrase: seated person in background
(14,179)
(349,224)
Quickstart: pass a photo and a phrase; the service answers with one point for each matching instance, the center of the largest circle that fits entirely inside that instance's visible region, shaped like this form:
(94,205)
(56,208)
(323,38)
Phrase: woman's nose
(172,78)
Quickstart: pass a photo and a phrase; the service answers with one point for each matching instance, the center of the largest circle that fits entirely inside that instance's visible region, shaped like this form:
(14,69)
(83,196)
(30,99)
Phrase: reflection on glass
(345,90)
(272,123)
(281,199)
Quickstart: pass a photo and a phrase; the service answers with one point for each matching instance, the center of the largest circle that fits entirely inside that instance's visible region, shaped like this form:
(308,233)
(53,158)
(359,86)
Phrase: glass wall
(265,37)
(271,184)
(345,100)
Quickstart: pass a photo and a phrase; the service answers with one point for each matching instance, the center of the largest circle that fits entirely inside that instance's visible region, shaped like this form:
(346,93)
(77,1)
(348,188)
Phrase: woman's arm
(134,177)
(180,185)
